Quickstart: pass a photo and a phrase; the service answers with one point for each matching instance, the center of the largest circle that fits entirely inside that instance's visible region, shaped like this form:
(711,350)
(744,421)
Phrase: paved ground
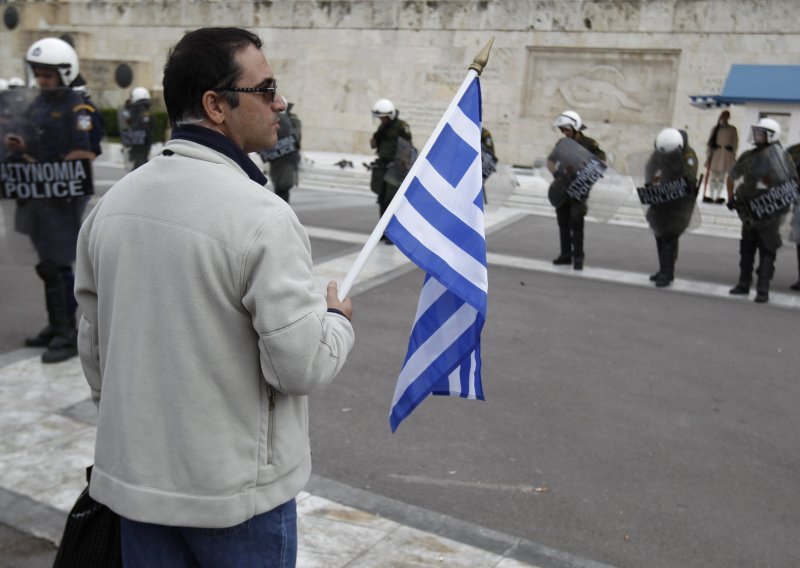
(626,425)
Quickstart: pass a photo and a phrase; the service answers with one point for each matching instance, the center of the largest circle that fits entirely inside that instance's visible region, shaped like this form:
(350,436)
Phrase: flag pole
(475,69)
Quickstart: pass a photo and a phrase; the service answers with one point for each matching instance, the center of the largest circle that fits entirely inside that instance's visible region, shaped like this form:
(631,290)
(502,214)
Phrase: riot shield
(665,191)
(581,176)
(14,242)
(765,185)
(13,121)
(398,168)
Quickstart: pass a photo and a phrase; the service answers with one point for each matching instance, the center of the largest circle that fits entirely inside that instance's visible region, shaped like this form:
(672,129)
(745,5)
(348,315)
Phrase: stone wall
(627,66)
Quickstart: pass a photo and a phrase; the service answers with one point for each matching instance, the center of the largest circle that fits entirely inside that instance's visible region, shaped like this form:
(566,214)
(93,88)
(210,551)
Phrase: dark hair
(203,60)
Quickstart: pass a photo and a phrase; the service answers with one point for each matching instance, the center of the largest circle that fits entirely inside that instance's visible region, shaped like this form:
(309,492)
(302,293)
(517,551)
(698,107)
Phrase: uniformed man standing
(386,143)
(794,154)
(55,128)
(284,157)
(137,135)
(765,181)
(488,159)
(723,143)
(671,176)
(570,213)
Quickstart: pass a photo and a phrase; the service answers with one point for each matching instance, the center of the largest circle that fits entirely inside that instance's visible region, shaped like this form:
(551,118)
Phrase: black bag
(91,536)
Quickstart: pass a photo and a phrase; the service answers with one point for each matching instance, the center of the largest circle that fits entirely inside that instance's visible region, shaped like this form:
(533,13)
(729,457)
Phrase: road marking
(386,260)
(526,489)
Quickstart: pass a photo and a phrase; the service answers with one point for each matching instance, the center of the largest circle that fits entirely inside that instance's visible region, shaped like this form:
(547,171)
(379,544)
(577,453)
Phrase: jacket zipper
(271,422)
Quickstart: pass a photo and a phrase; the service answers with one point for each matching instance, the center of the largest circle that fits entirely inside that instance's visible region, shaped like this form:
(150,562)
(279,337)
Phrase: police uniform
(570,215)
(794,154)
(57,122)
(385,141)
(670,220)
(284,158)
(758,235)
(139,137)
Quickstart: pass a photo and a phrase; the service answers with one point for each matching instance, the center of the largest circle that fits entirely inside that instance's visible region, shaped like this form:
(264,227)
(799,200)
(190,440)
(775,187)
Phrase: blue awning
(755,83)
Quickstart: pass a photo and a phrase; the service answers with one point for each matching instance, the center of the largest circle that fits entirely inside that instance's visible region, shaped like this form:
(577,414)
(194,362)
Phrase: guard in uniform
(672,167)
(386,145)
(488,159)
(570,213)
(137,135)
(794,154)
(56,127)
(765,181)
(284,157)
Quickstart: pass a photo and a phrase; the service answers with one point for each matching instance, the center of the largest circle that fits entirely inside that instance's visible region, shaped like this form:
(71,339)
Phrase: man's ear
(213,105)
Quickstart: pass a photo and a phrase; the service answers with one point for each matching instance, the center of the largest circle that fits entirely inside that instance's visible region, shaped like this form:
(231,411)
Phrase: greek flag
(439,226)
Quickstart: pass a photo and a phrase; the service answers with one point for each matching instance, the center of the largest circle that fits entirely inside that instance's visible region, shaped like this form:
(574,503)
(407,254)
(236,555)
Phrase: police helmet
(384,107)
(569,119)
(56,54)
(772,128)
(668,140)
(15,83)
(140,94)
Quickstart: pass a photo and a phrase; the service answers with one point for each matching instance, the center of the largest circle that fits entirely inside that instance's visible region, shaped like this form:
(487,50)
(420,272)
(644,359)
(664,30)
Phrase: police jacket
(201,338)
(590,144)
(386,138)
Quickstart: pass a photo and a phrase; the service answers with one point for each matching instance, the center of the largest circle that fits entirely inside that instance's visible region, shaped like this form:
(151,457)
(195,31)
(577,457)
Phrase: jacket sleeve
(86,294)
(302,345)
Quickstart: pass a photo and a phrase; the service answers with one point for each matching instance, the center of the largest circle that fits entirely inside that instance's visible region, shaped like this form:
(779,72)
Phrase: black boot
(766,269)
(577,245)
(42,339)
(659,245)
(64,343)
(666,260)
(747,257)
(564,235)
(796,285)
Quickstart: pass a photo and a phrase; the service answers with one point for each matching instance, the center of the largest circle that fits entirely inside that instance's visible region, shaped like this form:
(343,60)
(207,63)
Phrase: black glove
(731,204)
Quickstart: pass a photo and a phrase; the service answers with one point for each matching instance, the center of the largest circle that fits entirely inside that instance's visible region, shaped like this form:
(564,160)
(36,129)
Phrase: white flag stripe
(433,347)
(470,268)
(432,290)
(454,379)
(453,198)
(466,129)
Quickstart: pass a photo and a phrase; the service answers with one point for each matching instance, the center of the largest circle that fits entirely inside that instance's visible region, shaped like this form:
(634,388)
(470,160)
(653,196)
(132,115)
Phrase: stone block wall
(627,66)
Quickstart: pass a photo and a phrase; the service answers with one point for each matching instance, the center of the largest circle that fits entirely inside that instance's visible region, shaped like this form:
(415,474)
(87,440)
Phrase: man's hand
(731,204)
(15,144)
(346,306)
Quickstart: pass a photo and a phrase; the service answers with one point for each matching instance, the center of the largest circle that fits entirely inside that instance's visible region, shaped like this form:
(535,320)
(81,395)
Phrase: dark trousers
(570,228)
(753,241)
(268,540)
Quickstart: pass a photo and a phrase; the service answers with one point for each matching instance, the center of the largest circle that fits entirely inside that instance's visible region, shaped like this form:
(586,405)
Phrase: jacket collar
(223,145)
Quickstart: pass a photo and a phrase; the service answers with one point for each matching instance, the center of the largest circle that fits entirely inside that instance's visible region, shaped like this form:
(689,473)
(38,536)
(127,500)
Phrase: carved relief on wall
(603,85)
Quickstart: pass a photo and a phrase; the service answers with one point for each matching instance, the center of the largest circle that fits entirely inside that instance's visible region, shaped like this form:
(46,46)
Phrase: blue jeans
(268,540)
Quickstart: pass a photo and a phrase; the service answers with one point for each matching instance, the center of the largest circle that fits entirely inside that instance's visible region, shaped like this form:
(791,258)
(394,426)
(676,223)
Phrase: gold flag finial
(482,58)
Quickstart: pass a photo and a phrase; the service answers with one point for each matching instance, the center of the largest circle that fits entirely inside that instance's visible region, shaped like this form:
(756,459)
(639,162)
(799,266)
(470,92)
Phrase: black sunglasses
(271,89)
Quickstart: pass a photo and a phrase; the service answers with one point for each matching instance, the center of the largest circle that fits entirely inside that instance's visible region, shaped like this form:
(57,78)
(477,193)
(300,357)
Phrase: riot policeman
(670,191)
(762,185)
(284,157)
(570,213)
(55,128)
(137,132)
(794,154)
(388,145)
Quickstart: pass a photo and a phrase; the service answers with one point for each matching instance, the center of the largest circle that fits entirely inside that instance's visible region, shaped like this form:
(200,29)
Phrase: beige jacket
(722,158)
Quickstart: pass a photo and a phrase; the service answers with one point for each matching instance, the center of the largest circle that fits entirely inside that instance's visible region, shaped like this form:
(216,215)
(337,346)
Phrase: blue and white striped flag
(439,226)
